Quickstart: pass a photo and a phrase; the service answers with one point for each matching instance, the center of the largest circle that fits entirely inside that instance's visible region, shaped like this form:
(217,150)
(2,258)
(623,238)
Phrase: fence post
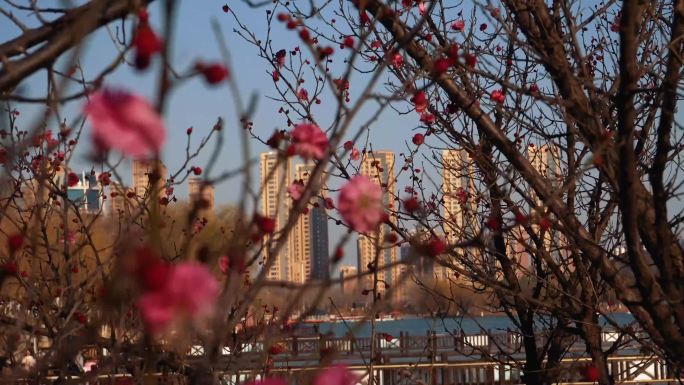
(350,337)
(321,345)
(295,346)
(456,339)
(433,343)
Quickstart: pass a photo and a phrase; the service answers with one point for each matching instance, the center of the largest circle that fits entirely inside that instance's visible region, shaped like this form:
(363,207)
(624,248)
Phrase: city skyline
(379,167)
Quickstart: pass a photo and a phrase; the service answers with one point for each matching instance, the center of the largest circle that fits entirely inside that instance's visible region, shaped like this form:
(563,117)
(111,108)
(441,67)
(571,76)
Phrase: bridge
(443,359)
(431,359)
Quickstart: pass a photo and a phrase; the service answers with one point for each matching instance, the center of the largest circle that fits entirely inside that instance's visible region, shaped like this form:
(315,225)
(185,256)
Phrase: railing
(624,370)
(507,343)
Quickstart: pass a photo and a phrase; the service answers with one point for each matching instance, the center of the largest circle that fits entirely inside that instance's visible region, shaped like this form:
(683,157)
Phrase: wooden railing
(405,345)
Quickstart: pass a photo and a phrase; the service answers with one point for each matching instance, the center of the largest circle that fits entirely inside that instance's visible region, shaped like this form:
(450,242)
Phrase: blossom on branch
(308,141)
(126,122)
(360,204)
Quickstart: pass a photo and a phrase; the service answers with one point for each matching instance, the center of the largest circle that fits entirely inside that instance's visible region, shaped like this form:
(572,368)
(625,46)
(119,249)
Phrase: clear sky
(194,104)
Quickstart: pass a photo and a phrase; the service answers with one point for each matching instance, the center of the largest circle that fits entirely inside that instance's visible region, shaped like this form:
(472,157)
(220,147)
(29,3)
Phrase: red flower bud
(441,65)
(146,44)
(339,253)
(436,247)
(411,204)
(213,73)
(15,242)
(9,268)
(265,224)
(493,223)
(349,42)
(72,179)
(521,218)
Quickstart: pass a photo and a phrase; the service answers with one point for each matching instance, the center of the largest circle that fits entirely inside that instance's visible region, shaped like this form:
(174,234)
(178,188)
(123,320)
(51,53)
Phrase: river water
(421,326)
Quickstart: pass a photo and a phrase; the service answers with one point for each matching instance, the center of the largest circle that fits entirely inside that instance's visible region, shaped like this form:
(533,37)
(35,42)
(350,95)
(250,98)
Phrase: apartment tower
(379,166)
(460,207)
(201,194)
(276,175)
(309,239)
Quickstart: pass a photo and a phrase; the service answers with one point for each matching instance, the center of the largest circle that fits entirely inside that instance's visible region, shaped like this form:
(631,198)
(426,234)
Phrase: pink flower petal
(224,264)
(360,204)
(267,381)
(336,375)
(125,122)
(308,141)
(157,310)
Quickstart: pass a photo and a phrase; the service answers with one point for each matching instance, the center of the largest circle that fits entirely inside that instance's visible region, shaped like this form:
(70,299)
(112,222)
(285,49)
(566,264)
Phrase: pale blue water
(421,326)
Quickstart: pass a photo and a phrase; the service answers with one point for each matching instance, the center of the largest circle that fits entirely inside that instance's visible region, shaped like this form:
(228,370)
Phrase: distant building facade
(119,201)
(309,238)
(349,280)
(546,160)
(202,194)
(149,176)
(87,195)
(460,206)
(276,175)
(379,167)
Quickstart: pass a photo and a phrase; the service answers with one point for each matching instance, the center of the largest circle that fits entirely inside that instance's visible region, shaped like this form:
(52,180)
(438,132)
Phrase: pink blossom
(427,118)
(280,58)
(354,154)
(224,263)
(458,25)
(303,94)
(157,310)
(267,381)
(397,60)
(336,375)
(498,96)
(70,239)
(360,204)
(296,189)
(126,122)
(420,101)
(190,291)
(308,141)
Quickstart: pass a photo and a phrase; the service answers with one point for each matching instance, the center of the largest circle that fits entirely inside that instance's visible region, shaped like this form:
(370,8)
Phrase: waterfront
(421,325)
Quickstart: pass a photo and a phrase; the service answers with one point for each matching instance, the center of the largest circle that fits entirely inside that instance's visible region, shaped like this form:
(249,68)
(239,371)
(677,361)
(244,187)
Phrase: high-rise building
(546,159)
(379,166)
(516,239)
(348,283)
(202,194)
(309,238)
(459,195)
(149,176)
(276,175)
(421,266)
(460,206)
(119,201)
(87,194)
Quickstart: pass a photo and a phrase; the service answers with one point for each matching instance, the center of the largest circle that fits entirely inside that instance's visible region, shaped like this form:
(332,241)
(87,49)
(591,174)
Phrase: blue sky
(194,104)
